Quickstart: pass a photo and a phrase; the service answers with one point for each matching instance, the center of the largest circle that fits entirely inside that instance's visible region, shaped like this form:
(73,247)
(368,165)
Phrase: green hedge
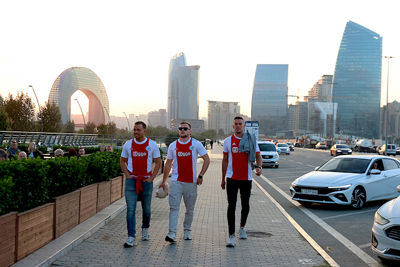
(25,184)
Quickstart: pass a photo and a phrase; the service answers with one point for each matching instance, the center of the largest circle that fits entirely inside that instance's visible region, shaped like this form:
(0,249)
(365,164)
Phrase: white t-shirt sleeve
(226,145)
(171,149)
(200,149)
(125,150)
(156,150)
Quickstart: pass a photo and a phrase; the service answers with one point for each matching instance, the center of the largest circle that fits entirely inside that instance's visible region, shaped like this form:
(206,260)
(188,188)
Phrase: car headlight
(340,188)
(294,183)
(379,219)
(350,151)
(339,151)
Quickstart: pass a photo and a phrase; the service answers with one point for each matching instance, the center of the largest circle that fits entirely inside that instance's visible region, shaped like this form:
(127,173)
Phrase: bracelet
(200,176)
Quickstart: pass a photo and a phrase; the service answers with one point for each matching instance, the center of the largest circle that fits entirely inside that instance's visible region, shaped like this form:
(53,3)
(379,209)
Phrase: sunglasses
(183,128)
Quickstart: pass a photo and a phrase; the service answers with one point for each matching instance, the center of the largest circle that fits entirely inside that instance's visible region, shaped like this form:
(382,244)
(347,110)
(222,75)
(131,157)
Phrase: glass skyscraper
(269,101)
(357,82)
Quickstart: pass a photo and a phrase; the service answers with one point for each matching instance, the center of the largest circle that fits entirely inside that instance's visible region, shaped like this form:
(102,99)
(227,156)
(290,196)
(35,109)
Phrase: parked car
(385,242)
(268,153)
(291,146)
(349,180)
(283,148)
(398,150)
(338,149)
(321,145)
(390,150)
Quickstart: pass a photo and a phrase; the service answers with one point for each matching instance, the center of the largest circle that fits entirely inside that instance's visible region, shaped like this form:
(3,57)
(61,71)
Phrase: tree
(69,127)
(4,121)
(20,112)
(90,128)
(209,134)
(50,117)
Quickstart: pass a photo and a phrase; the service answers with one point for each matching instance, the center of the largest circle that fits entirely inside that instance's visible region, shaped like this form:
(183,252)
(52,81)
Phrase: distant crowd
(14,153)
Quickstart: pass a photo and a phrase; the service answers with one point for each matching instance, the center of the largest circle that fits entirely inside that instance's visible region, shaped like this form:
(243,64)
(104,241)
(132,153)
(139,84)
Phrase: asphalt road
(329,225)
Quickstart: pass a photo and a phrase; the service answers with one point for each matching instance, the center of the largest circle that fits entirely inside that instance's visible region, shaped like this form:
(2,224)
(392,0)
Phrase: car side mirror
(398,188)
(316,168)
(375,172)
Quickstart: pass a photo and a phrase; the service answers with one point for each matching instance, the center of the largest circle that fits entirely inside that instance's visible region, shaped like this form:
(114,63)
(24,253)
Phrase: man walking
(184,180)
(136,163)
(236,168)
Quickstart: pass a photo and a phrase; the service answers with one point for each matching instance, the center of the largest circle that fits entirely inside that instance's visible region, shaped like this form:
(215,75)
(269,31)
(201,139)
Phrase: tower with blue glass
(357,82)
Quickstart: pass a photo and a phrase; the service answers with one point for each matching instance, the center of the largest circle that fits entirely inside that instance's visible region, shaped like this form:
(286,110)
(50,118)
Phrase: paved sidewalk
(272,240)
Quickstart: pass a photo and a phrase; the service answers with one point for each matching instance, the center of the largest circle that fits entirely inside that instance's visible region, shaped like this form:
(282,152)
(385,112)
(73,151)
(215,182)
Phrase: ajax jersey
(239,167)
(184,156)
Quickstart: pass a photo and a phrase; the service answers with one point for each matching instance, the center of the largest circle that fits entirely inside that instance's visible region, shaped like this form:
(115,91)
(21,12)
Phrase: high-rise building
(183,90)
(357,82)
(269,101)
(221,114)
(157,118)
(322,90)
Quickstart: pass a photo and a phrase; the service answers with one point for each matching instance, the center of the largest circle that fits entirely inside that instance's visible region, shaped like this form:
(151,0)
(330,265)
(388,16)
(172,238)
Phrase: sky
(129,44)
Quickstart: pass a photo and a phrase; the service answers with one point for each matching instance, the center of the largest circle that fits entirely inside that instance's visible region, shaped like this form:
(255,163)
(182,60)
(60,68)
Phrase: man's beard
(184,135)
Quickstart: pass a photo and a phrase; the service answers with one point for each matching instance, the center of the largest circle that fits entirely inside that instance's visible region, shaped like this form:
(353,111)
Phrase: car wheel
(358,198)
(276,166)
(305,203)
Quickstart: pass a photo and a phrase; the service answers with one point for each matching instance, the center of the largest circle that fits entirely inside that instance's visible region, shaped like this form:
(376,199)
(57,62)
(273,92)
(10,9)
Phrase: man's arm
(156,169)
(206,163)
(123,162)
(224,168)
(259,163)
(167,169)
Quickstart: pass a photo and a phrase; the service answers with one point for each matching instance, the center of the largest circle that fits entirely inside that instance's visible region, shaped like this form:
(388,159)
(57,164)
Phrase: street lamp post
(129,126)
(387,102)
(37,100)
(109,122)
(84,122)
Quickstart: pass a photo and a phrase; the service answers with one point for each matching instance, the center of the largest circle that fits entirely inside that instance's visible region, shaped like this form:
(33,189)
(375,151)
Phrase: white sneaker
(171,237)
(187,235)
(145,234)
(231,242)
(130,242)
(242,233)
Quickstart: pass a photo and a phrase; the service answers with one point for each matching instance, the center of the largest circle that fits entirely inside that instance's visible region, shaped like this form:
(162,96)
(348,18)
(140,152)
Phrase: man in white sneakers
(184,179)
(236,168)
(136,162)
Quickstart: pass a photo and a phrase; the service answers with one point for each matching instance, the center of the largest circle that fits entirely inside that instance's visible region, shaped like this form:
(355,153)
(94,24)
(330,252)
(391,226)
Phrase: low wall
(103,195)
(88,202)
(66,212)
(8,231)
(116,188)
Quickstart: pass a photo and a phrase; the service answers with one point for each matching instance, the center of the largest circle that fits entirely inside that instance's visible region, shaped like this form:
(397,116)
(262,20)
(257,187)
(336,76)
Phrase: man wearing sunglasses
(184,179)
(236,169)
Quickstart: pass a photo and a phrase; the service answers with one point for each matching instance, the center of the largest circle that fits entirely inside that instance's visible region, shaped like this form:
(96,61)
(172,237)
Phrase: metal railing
(48,139)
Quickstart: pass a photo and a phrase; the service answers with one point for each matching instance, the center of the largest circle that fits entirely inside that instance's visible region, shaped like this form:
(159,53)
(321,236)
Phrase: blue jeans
(131,199)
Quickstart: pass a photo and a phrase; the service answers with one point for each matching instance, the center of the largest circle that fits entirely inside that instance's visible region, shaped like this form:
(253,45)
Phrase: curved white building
(85,80)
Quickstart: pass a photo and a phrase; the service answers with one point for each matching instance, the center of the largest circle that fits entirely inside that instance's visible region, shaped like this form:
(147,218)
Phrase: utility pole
(129,126)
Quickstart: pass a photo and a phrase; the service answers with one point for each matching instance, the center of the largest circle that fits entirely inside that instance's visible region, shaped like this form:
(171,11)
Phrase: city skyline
(129,45)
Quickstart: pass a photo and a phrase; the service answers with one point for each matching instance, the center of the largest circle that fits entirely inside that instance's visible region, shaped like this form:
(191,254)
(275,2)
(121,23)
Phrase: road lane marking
(306,236)
(342,239)
(348,214)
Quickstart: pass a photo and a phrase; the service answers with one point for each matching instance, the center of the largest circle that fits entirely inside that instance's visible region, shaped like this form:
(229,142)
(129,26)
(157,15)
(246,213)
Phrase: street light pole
(37,100)
(109,122)
(129,126)
(84,122)
(387,102)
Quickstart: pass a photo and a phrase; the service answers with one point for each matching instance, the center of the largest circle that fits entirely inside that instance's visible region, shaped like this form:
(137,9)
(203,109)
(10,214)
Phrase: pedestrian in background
(237,170)
(136,161)
(13,150)
(33,152)
(184,179)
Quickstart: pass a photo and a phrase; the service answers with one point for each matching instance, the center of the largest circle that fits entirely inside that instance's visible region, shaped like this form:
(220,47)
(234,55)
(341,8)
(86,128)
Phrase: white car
(268,153)
(385,241)
(283,148)
(349,180)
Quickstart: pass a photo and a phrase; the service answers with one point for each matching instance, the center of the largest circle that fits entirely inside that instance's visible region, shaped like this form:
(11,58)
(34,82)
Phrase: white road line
(306,236)
(346,242)
(348,214)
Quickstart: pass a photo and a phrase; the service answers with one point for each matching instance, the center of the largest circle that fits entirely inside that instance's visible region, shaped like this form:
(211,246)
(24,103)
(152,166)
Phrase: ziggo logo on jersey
(184,154)
(139,154)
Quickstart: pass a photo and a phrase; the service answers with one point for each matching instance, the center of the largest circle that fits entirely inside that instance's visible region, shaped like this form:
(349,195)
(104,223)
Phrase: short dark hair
(238,118)
(141,123)
(185,122)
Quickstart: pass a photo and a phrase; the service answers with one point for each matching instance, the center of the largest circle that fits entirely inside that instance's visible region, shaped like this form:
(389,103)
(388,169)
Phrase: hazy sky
(128,44)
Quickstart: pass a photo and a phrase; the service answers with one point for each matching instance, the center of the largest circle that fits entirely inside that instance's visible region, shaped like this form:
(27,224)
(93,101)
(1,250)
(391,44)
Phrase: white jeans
(189,193)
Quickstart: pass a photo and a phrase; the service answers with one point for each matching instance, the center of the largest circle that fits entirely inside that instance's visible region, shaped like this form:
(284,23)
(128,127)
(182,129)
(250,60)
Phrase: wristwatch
(258,167)
(200,176)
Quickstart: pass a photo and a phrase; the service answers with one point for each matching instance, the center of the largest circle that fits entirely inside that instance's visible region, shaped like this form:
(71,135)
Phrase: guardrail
(48,139)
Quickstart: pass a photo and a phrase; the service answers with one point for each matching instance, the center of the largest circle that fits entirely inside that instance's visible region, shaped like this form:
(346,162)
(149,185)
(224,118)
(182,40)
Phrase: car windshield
(342,146)
(267,147)
(282,145)
(289,144)
(352,165)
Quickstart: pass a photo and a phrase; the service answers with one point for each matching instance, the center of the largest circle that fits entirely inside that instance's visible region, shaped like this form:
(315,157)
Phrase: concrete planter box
(88,202)
(8,231)
(103,195)
(35,228)
(116,189)
(66,212)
